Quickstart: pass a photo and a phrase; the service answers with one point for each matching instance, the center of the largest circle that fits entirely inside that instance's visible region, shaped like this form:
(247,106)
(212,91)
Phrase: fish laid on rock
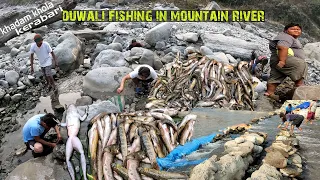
(121,144)
(203,82)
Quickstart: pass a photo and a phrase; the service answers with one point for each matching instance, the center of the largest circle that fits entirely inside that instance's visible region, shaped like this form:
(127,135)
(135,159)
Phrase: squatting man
(34,131)
(142,76)
(43,51)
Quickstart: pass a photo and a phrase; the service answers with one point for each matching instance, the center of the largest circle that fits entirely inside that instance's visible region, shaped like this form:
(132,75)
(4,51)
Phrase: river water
(212,120)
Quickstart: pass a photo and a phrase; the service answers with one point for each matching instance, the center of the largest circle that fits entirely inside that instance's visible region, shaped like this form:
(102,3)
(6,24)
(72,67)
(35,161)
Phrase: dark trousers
(143,84)
(46,149)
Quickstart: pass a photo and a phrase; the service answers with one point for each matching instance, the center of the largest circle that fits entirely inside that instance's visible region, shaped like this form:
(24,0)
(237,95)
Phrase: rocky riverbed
(93,58)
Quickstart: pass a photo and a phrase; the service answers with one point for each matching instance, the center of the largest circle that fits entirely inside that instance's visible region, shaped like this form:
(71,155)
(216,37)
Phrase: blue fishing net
(174,158)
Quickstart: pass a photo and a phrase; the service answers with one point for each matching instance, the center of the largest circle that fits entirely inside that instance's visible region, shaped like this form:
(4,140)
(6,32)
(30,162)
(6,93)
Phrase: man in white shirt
(141,76)
(43,51)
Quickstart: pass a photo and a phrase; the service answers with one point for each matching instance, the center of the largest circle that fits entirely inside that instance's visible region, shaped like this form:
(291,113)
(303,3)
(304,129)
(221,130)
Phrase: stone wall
(240,153)
(281,160)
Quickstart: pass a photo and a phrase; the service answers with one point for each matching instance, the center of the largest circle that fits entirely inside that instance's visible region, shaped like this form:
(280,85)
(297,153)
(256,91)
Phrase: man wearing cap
(34,131)
(43,51)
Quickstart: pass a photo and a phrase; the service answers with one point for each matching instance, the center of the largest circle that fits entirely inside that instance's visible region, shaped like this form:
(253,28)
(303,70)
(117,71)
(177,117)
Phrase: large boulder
(102,83)
(142,55)
(110,58)
(312,50)
(205,170)
(40,168)
(11,77)
(230,167)
(306,93)
(69,52)
(238,48)
(99,47)
(266,172)
(276,159)
(158,33)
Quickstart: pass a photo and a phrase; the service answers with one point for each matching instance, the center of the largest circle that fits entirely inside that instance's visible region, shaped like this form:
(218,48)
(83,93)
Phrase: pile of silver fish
(203,82)
(126,145)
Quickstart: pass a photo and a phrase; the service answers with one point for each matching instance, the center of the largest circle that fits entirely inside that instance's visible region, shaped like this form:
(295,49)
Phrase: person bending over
(34,131)
(142,76)
(294,119)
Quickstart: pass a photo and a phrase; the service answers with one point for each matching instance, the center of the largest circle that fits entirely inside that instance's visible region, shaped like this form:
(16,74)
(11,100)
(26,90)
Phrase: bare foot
(310,122)
(300,128)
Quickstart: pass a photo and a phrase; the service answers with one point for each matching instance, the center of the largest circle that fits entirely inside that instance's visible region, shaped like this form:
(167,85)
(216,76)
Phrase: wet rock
(306,92)
(109,58)
(276,159)
(69,52)
(84,100)
(257,149)
(39,168)
(59,152)
(16,98)
(12,77)
(295,159)
(205,170)
(158,33)
(291,171)
(295,142)
(266,172)
(103,82)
